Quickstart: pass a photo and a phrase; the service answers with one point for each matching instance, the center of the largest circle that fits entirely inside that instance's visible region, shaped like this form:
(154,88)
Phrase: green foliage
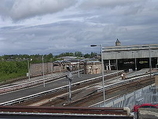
(78,54)
(93,54)
(87,55)
(12,69)
(66,54)
(13,66)
(90,55)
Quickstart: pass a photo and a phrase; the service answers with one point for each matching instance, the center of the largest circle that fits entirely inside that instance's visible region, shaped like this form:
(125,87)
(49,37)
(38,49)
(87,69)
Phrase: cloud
(22,9)
(107,3)
(57,26)
(5,7)
(62,37)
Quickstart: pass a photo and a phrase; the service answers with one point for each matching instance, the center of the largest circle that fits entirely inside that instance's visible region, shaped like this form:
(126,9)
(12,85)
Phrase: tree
(48,58)
(78,54)
(93,54)
(87,55)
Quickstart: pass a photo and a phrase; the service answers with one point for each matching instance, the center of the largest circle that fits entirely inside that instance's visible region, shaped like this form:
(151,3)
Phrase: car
(156,105)
(145,105)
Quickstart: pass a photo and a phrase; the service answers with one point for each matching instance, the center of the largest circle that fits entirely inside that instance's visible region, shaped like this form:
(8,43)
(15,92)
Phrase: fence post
(134,97)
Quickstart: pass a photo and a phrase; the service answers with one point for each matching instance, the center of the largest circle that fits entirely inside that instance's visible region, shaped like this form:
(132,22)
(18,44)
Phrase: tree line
(13,66)
(47,57)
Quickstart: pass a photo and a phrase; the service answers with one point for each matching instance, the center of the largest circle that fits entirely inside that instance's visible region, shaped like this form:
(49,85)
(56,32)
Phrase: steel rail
(126,81)
(65,87)
(109,89)
(18,100)
(147,82)
(32,83)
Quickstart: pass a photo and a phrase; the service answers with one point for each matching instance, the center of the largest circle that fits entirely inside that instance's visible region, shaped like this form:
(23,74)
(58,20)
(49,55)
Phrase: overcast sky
(57,26)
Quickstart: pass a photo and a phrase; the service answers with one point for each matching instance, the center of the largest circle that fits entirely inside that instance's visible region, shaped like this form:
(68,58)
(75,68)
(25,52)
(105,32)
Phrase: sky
(58,26)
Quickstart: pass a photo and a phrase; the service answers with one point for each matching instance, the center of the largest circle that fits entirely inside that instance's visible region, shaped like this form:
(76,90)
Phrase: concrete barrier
(148,113)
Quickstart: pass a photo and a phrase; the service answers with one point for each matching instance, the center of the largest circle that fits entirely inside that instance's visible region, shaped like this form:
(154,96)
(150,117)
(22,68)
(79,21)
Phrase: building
(92,67)
(117,43)
(133,57)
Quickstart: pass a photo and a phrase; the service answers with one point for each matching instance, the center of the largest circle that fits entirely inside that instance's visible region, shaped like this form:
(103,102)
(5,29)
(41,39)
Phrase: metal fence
(147,94)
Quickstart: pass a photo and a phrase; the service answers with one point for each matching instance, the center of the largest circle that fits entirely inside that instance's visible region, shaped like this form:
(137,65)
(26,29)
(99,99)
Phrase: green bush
(12,69)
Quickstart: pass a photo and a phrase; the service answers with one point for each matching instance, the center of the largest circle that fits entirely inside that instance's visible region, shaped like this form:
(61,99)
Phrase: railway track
(113,92)
(58,91)
(31,83)
(93,95)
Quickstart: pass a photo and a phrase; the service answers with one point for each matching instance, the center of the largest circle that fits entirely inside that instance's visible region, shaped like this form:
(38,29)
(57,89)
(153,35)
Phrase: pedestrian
(123,76)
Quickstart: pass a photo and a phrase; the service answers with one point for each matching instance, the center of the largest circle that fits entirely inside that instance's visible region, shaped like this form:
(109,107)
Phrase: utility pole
(28,65)
(150,65)
(44,84)
(78,68)
(69,77)
(102,72)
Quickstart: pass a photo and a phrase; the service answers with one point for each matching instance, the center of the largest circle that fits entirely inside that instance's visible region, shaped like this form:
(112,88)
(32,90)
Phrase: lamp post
(150,65)
(117,62)
(135,60)
(51,67)
(43,71)
(102,65)
(78,68)
(69,77)
(28,64)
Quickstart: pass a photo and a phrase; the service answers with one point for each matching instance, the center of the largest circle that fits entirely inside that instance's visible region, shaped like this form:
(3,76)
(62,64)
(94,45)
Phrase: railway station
(87,91)
(91,92)
(133,57)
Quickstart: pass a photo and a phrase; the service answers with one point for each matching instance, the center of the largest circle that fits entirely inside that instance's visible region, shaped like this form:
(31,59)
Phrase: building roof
(132,47)
(117,41)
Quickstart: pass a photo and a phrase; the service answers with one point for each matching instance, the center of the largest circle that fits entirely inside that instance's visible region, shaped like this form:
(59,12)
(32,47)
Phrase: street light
(43,71)
(69,77)
(51,67)
(150,65)
(28,64)
(135,60)
(78,68)
(102,65)
(117,62)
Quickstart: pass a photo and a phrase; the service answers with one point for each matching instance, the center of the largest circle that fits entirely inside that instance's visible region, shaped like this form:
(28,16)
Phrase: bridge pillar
(109,65)
(156,80)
